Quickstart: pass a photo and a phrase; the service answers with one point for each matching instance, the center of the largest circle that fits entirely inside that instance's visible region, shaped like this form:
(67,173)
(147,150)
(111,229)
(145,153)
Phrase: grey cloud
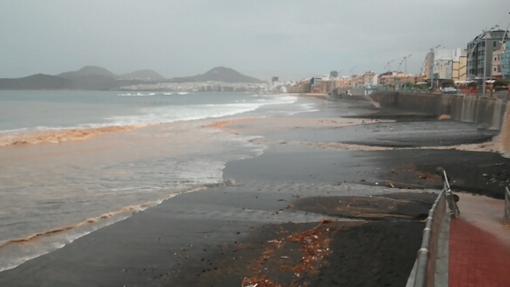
(288,38)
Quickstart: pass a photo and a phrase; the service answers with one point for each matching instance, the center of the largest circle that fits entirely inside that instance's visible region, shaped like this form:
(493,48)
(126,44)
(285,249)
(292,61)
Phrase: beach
(330,196)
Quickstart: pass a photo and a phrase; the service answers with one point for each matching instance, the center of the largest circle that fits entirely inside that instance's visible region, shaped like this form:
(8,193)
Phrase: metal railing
(507,204)
(425,269)
(450,197)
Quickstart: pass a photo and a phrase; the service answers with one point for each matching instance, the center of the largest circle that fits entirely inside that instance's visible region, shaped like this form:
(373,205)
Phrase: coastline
(91,147)
(228,234)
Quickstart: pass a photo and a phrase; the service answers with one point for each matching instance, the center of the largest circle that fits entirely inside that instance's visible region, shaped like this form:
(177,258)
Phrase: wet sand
(298,215)
(60,136)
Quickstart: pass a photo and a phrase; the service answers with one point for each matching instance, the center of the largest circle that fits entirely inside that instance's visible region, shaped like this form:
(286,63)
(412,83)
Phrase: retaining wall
(505,133)
(487,112)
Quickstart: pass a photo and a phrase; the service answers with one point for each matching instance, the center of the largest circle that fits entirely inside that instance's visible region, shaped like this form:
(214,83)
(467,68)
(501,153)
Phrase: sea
(54,193)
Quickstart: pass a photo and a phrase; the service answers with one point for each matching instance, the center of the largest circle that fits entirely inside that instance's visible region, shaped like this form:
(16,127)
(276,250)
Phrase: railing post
(507,204)
(452,205)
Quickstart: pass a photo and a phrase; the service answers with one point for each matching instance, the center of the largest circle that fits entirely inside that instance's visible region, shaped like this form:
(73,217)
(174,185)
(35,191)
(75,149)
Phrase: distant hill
(36,82)
(86,78)
(91,78)
(98,78)
(219,74)
(88,71)
(142,75)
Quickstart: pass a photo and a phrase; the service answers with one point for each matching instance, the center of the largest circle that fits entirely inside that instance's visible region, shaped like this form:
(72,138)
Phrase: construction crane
(387,66)
(506,31)
(404,62)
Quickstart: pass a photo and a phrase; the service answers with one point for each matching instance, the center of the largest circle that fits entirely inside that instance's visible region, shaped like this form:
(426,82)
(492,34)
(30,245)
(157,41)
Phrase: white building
(444,61)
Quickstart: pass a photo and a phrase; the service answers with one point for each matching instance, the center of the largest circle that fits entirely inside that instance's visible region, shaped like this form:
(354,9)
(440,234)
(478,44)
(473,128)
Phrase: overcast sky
(290,38)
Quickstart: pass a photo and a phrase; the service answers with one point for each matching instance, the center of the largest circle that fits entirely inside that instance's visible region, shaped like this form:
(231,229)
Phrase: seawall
(487,113)
(505,133)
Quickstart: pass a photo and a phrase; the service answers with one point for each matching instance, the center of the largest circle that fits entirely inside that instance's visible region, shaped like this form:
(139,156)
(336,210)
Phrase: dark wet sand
(283,222)
(214,238)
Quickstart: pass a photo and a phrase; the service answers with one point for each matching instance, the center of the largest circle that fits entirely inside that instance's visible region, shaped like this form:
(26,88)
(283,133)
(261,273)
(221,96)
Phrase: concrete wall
(505,133)
(488,113)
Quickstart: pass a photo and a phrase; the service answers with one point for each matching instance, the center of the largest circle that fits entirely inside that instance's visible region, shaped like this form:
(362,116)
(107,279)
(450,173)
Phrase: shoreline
(67,233)
(72,134)
(44,241)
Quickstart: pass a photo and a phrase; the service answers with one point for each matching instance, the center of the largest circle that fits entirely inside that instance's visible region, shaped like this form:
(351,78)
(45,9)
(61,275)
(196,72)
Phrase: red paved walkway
(477,258)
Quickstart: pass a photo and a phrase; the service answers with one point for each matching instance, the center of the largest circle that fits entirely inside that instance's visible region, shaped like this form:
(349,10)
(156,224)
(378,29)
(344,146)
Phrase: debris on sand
(444,117)
(306,251)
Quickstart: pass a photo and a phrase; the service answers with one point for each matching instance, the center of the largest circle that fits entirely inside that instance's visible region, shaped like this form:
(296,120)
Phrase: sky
(292,39)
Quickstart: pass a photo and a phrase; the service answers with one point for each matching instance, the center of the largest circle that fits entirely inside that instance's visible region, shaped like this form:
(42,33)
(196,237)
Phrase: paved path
(479,244)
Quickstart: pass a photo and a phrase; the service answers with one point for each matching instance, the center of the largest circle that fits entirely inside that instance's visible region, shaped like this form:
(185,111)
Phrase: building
(428,65)
(365,80)
(397,79)
(444,62)
(443,69)
(369,79)
(300,87)
(445,65)
(314,85)
(480,54)
(505,61)
(344,83)
(460,68)
(497,73)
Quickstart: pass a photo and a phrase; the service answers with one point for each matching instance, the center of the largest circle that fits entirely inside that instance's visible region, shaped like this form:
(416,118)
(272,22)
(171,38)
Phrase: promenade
(479,244)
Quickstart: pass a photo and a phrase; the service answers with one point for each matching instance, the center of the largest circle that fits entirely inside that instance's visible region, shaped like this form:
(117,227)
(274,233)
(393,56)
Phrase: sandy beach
(333,198)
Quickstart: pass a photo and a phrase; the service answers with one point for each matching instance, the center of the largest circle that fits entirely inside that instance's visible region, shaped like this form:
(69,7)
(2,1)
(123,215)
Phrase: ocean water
(52,194)
(22,111)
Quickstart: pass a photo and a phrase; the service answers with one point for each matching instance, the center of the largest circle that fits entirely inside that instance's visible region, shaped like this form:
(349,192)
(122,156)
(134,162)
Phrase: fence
(425,272)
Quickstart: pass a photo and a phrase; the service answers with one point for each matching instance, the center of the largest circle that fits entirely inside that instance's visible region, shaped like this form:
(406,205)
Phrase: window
(494,44)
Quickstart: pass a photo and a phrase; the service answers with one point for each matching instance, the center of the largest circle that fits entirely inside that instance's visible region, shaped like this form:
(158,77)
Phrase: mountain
(142,75)
(91,78)
(88,71)
(219,74)
(36,82)
(98,78)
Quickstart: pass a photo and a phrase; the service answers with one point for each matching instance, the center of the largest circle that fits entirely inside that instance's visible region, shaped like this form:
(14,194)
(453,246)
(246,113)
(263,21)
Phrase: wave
(145,117)
(161,115)
(144,94)
(152,94)
(16,251)
(190,175)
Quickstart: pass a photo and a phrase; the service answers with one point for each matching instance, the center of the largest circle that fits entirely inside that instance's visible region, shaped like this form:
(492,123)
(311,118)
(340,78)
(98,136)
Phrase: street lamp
(484,84)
